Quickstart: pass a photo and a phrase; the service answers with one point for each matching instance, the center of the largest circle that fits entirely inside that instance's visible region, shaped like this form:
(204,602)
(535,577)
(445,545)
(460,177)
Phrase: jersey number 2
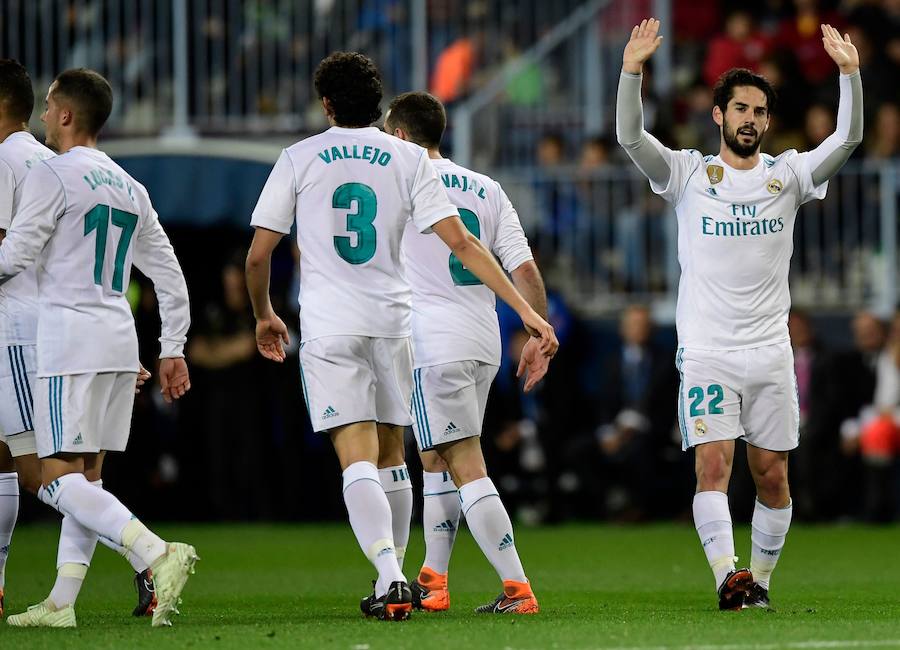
(463,277)
(98,218)
(359,222)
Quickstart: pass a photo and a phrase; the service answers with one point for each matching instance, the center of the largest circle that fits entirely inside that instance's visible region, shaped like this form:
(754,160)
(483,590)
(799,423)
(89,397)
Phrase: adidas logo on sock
(78,440)
(506,542)
(451,428)
(329,413)
(444,526)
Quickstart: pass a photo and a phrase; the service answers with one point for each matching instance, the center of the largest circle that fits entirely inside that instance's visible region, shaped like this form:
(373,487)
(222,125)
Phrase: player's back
(85,323)
(454,313)
(18,297)
(355,191)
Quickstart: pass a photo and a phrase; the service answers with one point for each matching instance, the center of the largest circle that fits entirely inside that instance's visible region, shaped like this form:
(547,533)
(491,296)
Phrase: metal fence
(239,66)
(606,240)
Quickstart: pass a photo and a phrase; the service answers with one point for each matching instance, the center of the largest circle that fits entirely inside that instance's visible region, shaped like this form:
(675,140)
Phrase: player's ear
(717,115)
(326,105)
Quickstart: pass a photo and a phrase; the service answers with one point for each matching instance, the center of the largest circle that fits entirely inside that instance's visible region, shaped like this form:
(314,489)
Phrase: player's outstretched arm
(472,253)
(271,332)
(648,154)
(826,159)
(528,281)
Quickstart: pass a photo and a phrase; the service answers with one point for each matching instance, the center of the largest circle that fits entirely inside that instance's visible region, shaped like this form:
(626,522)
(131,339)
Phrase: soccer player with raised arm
(456,353)
(85,221)
(736,213)
(19,152)
(351,190)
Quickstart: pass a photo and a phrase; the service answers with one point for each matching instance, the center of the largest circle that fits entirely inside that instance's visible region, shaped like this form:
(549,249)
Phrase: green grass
(599,587)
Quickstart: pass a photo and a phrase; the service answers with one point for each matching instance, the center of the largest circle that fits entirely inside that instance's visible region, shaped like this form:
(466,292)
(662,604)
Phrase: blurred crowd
(598,440)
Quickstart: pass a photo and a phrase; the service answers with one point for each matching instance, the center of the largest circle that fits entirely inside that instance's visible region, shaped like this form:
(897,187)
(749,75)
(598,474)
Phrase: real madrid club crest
(774,186)
(699,428)
(716,173)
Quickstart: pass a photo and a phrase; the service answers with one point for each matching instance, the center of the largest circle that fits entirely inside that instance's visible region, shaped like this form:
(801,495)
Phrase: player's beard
(733,143)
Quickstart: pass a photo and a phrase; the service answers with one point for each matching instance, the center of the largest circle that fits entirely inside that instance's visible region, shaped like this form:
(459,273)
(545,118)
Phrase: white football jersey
(86,221)
(18,297)
(735,239)
(351,192)
(454,314)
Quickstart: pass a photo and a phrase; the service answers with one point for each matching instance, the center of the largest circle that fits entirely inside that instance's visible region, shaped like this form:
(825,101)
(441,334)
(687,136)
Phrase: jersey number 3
(359,222)
(98,218)
(463,277)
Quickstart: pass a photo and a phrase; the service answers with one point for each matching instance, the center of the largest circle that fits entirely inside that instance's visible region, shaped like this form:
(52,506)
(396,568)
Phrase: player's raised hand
(174,380)
(142,377)
(644,41)
(533,364)
(271,337)
(541,329)
(841,50)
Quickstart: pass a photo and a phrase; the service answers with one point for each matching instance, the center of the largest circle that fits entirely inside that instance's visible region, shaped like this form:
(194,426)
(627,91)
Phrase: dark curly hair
(16,92)
(723,91)
(352,85)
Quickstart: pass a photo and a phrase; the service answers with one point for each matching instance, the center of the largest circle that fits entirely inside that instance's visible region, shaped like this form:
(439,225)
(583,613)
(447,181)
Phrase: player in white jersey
(19,151)
(736,213)
(456,353)
(85,222)
(351,191)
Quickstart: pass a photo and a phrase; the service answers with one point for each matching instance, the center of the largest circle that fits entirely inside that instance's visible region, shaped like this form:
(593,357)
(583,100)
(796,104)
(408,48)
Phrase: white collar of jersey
(441,161)
(718,159)
(350,131)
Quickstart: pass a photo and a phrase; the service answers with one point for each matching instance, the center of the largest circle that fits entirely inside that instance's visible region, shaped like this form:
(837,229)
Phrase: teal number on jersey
(359,222)
(98,219)
(715,392)
(463,277)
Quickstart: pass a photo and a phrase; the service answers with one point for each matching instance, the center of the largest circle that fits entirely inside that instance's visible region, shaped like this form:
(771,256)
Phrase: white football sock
(370,518)
(398,490)
(9,513)
(712,519)
(73,557)
(136,563)
(69,578)
(491,528)
(440,518)
(769,529)
(100,511)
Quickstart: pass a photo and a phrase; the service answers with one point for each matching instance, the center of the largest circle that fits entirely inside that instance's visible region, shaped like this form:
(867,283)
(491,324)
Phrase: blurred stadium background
(207,92)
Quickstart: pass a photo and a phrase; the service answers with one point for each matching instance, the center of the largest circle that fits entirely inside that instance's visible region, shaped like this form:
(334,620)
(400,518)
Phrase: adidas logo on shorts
(78,440)
(451,429)
(329,413)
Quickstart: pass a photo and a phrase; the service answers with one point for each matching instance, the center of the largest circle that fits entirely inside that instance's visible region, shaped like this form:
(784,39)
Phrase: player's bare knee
(772,486)
(390,446)
(713,467)
(433,463)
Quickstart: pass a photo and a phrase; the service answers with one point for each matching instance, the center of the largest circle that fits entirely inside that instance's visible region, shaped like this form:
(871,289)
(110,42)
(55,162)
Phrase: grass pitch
(600,587)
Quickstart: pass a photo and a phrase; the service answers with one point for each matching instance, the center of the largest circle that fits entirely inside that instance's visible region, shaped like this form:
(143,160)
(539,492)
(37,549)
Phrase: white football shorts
(349,379)
(18,366)
(730,394)
(449,401)
(84,413)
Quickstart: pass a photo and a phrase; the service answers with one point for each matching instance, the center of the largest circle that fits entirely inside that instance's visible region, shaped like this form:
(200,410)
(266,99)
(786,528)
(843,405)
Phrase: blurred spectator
(818,125)
(801,34)
(740,46)
(227,393)
(884,140)
(819,384)
(613,467)
(556,198)
(454,68)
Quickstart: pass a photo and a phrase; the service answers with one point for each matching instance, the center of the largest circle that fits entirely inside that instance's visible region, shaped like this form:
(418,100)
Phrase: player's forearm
(830,156)
(256,272)
(630,131)
(472,253)
(15,256)
(528,281)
